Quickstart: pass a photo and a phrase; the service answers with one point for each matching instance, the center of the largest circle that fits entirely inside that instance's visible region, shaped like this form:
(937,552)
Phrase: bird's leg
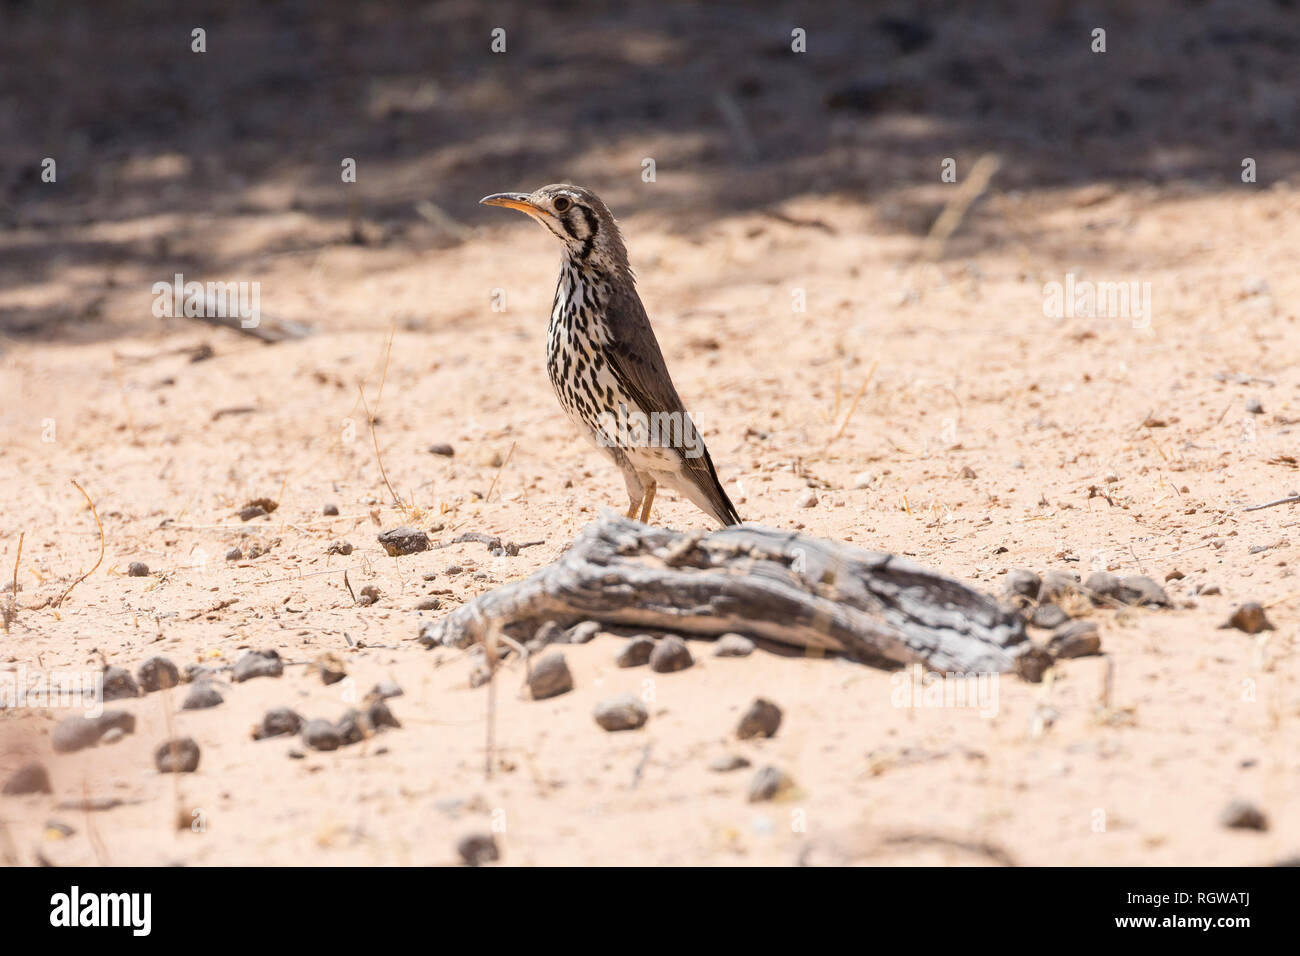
(636,503)
(649,500)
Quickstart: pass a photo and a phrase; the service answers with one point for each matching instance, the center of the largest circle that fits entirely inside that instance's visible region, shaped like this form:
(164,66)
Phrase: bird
(605,363)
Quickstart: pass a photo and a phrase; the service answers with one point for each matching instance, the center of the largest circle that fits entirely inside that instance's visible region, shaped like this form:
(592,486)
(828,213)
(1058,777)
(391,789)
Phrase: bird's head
(575,216)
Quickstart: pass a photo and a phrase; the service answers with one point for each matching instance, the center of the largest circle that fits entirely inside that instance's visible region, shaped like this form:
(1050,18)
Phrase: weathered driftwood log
(785,587)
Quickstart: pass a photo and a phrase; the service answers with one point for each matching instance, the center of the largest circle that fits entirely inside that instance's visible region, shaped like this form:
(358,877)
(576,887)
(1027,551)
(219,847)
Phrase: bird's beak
(512,201)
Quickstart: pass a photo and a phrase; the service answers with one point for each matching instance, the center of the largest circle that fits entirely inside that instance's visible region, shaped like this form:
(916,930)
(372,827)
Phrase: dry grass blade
(59,601)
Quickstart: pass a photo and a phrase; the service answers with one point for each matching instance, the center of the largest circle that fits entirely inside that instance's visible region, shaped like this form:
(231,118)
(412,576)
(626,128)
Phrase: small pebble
(249,512)
(475,849)
(369,595)
(29,778)
(621,712)
(331,669)
(77,733)
(138,569)
(635,652)
(429,604)
(278,723)
(669,655)
(863,480)
(202,696)
(761,720)
(1056,585)
(234,554)
(158,673)
(1021,583)
(1048,616)
(320,735)
(177,756)
(1243,815)
(1249,618)
(1075,639)
(119,684)
(550,677)
(380,716)
(339,547)
(258,664)
(725,763)
(443,449)
(807,500)
(1254,406)
(582,633)
(768,783)
(386,689)
(330,509)
(350,728)
(733,645)
(401,541)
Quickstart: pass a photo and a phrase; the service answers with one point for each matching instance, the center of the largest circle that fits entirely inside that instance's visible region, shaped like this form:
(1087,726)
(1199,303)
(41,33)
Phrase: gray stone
(726,763)
(733,645)
(177,756)
(669,655)
(400,541)
(475,849)
(119,684)
(762,719)
(1048,616)
(158,673)
(258,664)
(202,696)
(621,712)
(1075,639)
(1243,815)
(77,733)
(278,723)
(320,735)
(635,652)
(550,677)
(29,778)
(768,783)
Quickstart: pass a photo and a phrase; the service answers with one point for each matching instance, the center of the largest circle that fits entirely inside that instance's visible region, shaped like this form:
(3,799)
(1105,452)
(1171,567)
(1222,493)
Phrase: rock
(967,472)
(669,655)
(475,849)
(1243,815)
(258,664)
(429,604)
(177,756)
(369,595)
(320,735)
(1102,585)
(1056,585)
(138,569)
(636,652)
(1075,639)
(807,500)
(330,509)
(339,547)
(119,684)
(380,716)
(725,763)
(158,673)
(863,479)
(768,783)
(278,723)
(443,449)
(582,633)
(1021,583)
(351,729)
(1254,406)
(77,733)
(401,541)
(549,632)
(1032,663)
(761,720)
(1141,590)
(202,696)
(331,669)
(621,712)
(1175,575)
(386,689)
(234,554)
(1249,618)
(194,673)
(733,645)
(550,677)
(249,512)
(480,675)
(1048,616)
(29,778)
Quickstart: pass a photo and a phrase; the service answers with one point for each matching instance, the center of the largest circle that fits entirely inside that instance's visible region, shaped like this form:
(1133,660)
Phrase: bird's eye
(561,204)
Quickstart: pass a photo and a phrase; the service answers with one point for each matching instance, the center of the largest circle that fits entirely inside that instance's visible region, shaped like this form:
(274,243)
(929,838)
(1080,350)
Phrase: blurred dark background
(142,127)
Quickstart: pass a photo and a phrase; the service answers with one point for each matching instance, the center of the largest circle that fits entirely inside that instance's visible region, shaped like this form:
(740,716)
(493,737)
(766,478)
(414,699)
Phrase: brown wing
(638,364)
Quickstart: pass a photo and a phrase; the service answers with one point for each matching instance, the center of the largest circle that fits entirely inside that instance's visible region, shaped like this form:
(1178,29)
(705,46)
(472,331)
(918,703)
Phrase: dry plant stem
(11,607)
(492,487)
(1288,500)
(59,601)
(852,407)
(378,457)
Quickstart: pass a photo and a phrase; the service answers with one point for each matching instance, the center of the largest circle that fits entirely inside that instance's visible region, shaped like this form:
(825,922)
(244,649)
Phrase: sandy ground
(988,437)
